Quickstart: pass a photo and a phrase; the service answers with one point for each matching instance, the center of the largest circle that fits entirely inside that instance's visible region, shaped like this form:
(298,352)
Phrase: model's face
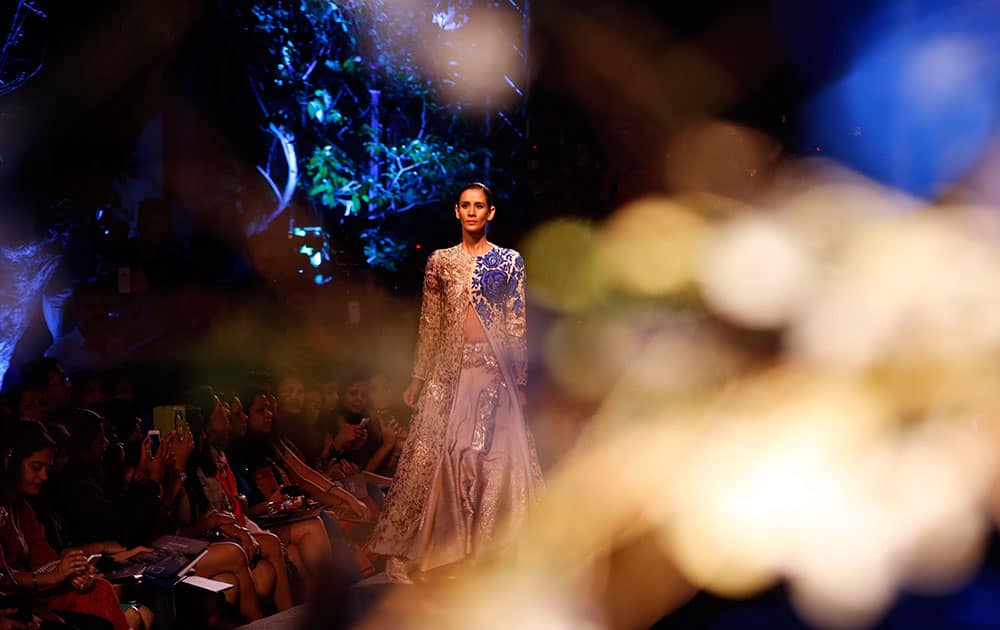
(291,396)
(35,471)
(474,211)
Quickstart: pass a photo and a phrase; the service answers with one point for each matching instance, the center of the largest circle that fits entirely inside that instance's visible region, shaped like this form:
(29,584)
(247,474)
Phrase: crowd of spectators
(86,474)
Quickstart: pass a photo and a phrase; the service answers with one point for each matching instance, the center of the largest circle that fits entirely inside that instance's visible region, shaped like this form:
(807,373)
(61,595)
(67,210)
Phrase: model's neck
(474,242)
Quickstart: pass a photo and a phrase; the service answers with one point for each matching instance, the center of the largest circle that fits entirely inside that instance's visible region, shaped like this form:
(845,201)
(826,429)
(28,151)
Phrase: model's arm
(517,325)
(427,336)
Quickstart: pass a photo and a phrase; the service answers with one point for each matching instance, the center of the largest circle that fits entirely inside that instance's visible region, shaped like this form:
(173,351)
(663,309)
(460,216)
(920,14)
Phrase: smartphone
(180,422)
(154,441)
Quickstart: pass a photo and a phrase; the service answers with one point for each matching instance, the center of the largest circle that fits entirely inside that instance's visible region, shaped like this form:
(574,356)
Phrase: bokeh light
(721,158)
(756,273)
(891,286)
(479,57)
(564,272)
(651,247)
(916,107)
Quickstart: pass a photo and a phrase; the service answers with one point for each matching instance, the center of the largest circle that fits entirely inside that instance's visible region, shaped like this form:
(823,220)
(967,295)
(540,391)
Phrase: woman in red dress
(60,582)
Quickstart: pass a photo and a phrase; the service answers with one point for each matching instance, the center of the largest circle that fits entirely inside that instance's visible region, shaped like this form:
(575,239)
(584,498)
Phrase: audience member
(212,488)
(64,583)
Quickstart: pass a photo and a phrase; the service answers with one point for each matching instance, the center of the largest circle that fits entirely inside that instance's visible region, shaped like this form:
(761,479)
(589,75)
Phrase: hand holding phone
(154,442)
(180,422)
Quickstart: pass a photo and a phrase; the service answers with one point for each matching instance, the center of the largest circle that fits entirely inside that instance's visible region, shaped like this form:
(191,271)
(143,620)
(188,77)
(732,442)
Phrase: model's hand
(412,392)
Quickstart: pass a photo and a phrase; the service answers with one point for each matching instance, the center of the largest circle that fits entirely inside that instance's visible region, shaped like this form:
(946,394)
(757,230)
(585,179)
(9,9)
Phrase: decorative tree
(354,121)
(26,263)
(19,61)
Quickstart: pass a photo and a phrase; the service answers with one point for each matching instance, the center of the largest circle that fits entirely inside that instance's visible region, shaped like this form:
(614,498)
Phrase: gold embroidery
(451,283)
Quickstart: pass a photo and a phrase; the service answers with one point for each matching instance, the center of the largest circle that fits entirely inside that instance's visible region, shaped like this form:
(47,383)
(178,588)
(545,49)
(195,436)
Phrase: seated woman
(270,464)
(211,489)
(101,504)
(384,460)
(223,561)
(63,582)
(95,500)
(227,562)
(307,541)
(127,426)
(338,438)
(300,416)
(381,430)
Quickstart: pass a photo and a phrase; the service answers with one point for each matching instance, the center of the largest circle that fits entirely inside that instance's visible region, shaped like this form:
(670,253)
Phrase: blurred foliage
(341,80)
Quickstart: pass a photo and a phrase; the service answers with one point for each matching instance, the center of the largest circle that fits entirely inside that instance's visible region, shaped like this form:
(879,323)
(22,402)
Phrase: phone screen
(154,442)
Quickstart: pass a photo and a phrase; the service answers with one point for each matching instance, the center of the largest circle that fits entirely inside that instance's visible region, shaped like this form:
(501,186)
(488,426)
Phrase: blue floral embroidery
(492,259)
(490,283)
(494,285)
(517,307)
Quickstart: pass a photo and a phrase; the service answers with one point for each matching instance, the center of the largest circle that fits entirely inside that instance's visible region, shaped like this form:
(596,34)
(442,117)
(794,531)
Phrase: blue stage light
(24,270)
(923,87)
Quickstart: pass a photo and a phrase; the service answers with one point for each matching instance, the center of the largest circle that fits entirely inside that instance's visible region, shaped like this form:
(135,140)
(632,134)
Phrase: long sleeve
(516,322)
(430,322)
(41,551)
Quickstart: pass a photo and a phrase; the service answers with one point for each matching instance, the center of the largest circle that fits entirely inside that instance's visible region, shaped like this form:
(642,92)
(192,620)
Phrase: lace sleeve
(430,322)
(516,322)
